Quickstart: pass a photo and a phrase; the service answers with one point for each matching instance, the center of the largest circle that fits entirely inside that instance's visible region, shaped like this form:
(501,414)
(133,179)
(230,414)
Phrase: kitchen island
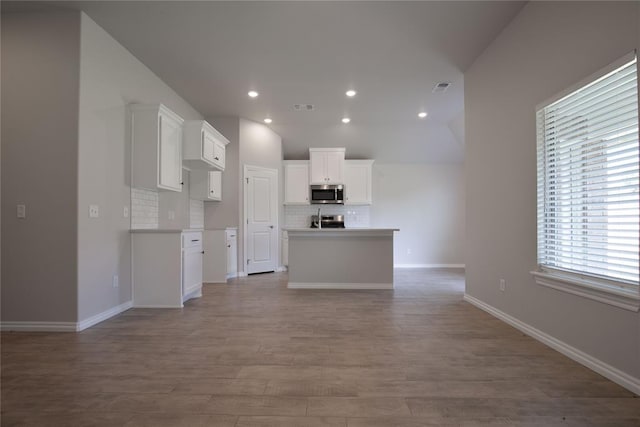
(341,258)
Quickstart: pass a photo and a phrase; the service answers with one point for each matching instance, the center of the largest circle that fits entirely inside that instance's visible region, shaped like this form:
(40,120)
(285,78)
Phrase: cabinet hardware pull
(203,252)
(228,246)
(196,240)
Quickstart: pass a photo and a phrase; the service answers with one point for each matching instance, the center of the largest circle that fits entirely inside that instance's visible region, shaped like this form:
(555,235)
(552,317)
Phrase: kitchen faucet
(319,219)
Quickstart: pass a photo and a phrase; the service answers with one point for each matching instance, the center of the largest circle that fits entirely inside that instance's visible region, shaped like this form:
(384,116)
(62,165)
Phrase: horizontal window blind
(588,170)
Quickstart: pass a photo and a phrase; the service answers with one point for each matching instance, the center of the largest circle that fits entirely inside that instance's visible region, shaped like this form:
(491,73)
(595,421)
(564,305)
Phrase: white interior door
(262,220)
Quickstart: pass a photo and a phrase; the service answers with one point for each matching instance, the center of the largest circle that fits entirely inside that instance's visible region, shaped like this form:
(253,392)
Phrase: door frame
(245,215)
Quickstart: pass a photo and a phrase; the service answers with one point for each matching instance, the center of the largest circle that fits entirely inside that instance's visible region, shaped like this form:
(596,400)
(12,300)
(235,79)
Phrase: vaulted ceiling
(391,53)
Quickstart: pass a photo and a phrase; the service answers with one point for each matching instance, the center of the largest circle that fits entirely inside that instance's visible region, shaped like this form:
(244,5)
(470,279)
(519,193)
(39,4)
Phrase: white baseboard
(39,326)
(241,274)
(231,276)
(428,266)
(101,317)
(617,376)
(305,285)
(281,269)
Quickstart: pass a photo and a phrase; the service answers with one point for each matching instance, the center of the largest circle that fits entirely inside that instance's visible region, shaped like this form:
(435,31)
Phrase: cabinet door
(334,165)
(170,162)
(208,143)
(215,186)
(219,154)
(232,253)
(296,184)
(357,181)
(191,269)
(318,167)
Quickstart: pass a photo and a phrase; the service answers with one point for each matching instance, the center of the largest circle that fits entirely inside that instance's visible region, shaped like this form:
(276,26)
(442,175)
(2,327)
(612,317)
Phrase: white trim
(310,285)
(428,266)
(589,79)
(158,306)
(39,326)
(628,299)
(101,317)
(231,276)
(281,269)
(241,274)
(623,379)
(196,293)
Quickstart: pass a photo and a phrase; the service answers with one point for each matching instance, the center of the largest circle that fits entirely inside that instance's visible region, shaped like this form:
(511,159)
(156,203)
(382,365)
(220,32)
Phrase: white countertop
(165,230)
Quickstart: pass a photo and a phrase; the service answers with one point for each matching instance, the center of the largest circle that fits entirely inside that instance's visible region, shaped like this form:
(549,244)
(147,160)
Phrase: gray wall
(40,66)
(426,202)
(111,78)
(545,49)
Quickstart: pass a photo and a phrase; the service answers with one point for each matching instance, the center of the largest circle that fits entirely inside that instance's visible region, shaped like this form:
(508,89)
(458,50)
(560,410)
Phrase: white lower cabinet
(206,185)
(167,267)
(192,255)
(221,255)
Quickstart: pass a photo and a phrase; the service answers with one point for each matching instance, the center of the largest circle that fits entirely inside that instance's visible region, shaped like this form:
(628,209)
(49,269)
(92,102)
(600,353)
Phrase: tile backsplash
(299,216)
(144,208)
(196,213)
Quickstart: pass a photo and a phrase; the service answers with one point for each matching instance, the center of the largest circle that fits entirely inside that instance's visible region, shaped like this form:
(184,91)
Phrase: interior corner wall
(40,92)
(548,47)
(262,147)
(110,79)
(426,202)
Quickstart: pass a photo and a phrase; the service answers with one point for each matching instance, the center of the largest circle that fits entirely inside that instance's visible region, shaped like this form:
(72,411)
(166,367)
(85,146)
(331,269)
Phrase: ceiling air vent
(441,87)
(303,107)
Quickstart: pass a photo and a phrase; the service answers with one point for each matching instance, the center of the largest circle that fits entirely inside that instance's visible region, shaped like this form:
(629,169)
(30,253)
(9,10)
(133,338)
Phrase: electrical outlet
(171,215)
(125,212)
(408,251)
(503,285)
(116,281)
(22,211)
(94,211)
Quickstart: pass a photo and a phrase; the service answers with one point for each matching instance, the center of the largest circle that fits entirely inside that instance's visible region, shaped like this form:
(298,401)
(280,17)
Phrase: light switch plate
(125,212)
(94,211)
(22,211)
(172,215)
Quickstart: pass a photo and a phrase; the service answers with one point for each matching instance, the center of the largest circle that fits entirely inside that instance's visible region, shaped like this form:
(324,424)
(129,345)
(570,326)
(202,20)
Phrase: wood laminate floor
(254,353)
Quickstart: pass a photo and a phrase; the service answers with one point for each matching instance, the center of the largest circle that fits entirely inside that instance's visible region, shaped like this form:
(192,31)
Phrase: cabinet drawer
(192,240)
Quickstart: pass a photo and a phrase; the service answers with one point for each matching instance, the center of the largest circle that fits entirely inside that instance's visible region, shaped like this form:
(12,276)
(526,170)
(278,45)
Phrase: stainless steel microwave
(327,194)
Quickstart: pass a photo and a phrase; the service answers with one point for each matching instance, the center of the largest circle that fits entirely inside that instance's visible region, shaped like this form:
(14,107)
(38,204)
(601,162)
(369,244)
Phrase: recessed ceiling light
(252,93)
(351,93)
(268,120)
(422,115)
(346,120)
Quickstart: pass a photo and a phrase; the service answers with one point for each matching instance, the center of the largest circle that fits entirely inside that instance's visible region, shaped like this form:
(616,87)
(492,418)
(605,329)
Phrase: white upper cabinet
(326,165)
(205,185)
(157,147)
(204,146)
(357,182)
(296,182)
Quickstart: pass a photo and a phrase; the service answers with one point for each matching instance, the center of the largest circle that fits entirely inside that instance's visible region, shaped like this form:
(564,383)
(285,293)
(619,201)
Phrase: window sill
(628,299)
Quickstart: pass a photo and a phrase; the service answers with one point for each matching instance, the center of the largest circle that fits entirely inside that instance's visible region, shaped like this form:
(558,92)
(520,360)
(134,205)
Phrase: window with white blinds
(588,168)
